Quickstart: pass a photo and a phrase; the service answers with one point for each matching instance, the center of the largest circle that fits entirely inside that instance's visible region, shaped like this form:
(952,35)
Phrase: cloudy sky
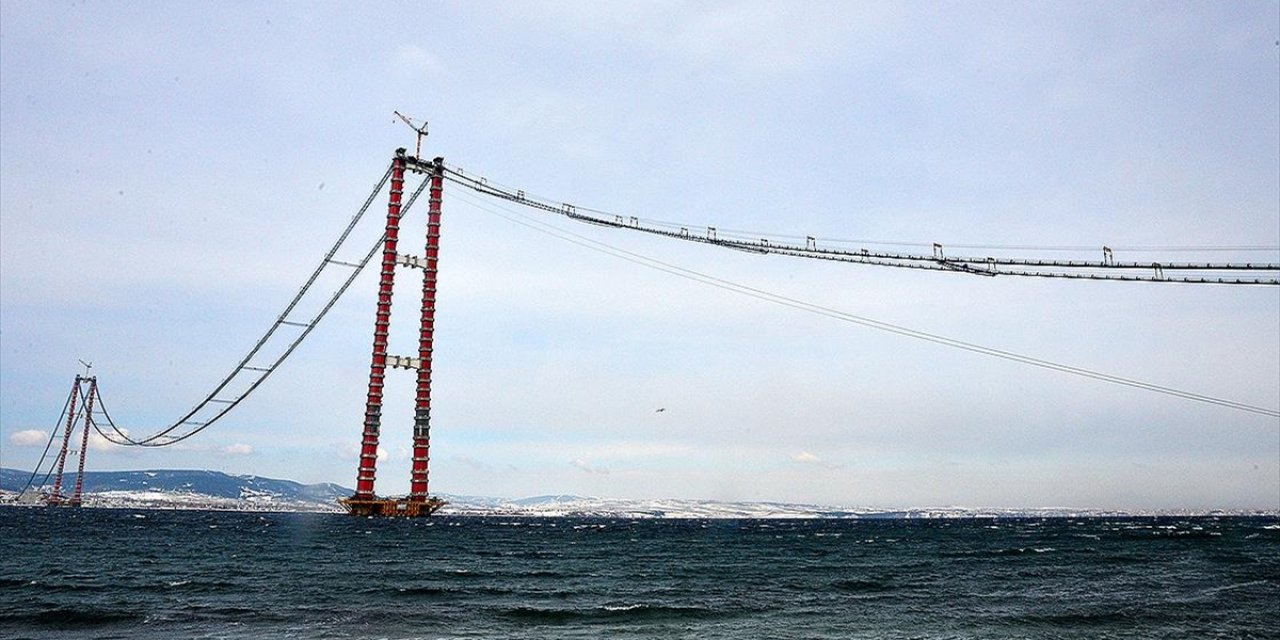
(170,176)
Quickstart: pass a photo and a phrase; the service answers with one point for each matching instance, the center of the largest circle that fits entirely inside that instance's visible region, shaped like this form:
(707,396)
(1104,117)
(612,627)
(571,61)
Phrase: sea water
(98,573)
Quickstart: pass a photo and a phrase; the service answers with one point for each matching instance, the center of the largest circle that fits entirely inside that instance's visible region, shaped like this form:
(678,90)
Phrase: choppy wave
(862,586)
(70,617)
(611,612)
(283,575)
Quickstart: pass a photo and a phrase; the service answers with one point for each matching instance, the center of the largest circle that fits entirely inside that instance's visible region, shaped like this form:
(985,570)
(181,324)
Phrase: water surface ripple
(96,573)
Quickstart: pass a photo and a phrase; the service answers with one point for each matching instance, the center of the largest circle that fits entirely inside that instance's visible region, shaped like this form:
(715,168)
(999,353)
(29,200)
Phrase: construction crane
(421,131)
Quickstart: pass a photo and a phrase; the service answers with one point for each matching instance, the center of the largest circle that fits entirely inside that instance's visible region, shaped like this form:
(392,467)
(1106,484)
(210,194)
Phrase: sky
(170,174)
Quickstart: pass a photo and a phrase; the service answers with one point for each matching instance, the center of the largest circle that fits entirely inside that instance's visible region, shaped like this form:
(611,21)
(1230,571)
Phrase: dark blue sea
(95,573)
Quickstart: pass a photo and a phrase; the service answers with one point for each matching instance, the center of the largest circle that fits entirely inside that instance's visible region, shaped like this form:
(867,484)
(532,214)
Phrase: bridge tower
(56,499)
(418,503)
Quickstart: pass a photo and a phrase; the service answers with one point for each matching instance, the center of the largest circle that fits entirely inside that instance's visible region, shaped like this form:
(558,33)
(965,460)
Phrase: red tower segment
(373,407)
(84,440)
(426,331)
(56,496)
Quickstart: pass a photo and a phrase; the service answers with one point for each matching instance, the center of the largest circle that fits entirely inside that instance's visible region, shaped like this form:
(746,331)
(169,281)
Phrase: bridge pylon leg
(382,321)
(55,498)
(418,485)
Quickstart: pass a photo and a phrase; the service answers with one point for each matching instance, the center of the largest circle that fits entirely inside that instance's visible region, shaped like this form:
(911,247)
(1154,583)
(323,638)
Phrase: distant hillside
(206,483)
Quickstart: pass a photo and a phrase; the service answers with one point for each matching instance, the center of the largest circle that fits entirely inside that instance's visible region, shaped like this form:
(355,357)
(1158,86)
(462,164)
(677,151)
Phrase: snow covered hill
(169,488)
(181,489)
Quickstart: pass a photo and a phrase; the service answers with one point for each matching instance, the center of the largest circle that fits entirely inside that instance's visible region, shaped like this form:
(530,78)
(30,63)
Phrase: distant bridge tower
(418,502)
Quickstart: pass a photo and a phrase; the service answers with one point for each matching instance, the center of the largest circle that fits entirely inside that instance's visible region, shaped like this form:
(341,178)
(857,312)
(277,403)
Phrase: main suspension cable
(248,369)
(52,435)
(761,294)
(214,406)
(1248,273)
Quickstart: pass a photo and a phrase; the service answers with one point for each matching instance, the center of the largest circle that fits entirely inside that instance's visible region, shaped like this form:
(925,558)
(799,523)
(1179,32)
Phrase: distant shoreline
(203,490)
(211,505)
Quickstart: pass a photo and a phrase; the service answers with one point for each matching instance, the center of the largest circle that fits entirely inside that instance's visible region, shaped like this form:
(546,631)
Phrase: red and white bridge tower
(418,502)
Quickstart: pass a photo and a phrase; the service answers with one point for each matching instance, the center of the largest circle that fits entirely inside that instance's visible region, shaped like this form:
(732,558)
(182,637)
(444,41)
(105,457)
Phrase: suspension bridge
(85,409)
